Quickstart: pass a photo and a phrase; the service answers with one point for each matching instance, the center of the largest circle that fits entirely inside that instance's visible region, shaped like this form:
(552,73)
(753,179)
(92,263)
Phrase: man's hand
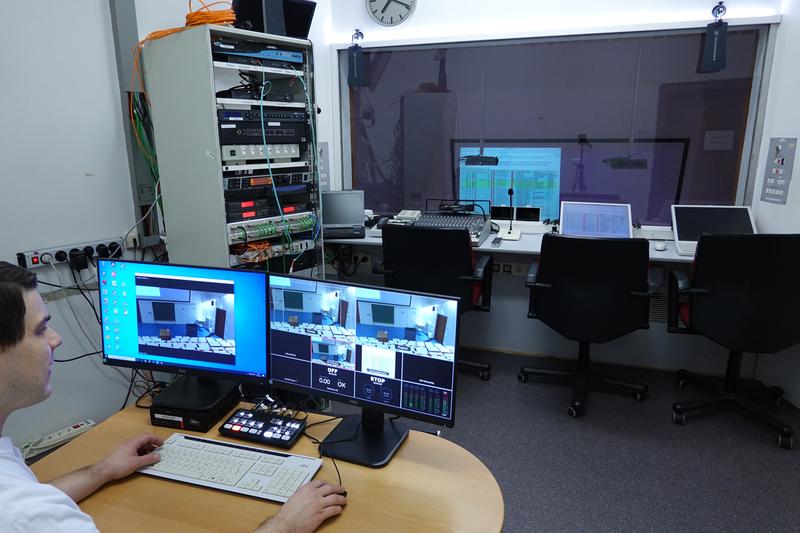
(125,460)
(312,504)
(130,457)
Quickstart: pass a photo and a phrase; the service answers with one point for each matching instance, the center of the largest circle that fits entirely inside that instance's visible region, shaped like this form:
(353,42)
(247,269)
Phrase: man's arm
(125,460)
(312,504)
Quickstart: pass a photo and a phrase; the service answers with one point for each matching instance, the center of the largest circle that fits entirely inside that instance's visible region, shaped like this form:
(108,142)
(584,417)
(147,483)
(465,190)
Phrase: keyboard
(685,247)
(477,227)
(232,467)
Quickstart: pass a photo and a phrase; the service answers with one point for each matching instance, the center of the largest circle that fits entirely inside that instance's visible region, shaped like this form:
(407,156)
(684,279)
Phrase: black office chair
(589,290)
(439,261)
(744,294)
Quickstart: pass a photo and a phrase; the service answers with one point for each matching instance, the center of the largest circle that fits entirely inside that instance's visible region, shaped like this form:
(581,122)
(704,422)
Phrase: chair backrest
(590,285)
(753,298)
(429,260)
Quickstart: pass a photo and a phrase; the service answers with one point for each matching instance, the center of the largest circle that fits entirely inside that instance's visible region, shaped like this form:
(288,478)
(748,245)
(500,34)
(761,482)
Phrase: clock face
(390,12)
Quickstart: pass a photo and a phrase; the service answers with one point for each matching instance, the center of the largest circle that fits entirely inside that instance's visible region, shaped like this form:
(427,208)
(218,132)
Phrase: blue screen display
(533,172)
(190,318)
(394,350)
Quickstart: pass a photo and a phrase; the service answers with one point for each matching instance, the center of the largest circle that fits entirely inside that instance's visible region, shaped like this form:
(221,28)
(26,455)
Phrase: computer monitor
(343,214)
(589,219)
(207,323)
(386,351)
(534,173)
(691,221)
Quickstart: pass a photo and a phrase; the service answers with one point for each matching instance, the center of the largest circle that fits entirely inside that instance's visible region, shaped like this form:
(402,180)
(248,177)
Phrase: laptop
(590,219)
(343,214)
(691,221)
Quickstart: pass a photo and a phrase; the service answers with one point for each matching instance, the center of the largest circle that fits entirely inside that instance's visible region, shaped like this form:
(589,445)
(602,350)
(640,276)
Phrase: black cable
(85,297)
(128,395)
(40,282)
(495,228)
(77,357)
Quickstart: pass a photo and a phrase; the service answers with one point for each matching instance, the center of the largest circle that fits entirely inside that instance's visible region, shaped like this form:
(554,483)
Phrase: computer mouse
(660,246)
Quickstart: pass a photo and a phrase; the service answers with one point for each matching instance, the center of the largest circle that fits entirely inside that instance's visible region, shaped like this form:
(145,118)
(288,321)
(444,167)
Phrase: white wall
(65,177)
(782,119)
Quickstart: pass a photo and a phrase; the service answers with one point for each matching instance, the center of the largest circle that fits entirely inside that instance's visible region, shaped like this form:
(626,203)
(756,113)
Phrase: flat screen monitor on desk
(343,214)
(691,221)
(386,351)
(589,219)
(206,323)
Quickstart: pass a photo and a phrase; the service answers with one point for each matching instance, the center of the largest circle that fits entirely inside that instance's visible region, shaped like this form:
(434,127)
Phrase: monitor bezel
(364,404)
(615,204)
(333,194)
(171,368)
(705,206)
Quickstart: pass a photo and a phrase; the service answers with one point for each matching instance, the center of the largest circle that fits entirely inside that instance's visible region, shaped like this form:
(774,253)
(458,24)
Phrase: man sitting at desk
(27,344)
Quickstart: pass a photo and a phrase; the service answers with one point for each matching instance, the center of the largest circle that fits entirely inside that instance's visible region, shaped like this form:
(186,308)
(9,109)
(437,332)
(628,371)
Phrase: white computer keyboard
(233,467)
(685,248)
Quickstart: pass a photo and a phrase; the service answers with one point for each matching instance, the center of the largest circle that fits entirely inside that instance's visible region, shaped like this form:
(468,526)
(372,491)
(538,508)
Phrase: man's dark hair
(14,281)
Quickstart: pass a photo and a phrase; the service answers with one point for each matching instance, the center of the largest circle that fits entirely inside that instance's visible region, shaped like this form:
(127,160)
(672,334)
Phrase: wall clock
(390,12)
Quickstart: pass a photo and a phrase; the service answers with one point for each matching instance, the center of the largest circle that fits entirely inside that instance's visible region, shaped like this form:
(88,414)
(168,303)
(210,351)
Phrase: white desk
(529,244)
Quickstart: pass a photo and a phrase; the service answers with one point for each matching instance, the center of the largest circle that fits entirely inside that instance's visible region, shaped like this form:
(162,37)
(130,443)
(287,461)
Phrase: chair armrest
(483,273)
(530,277)
(681,280)
(480,267)
(679,285)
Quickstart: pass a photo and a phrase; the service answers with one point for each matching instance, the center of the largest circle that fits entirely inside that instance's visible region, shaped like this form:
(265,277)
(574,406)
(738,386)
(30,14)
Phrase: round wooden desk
(431,484)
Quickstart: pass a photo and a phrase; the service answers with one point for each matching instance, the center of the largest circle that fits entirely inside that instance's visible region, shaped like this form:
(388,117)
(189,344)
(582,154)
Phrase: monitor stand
(367,439)
(194,403)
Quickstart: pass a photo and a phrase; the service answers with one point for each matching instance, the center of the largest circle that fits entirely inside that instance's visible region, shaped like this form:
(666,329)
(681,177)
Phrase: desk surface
(530,244)
(430,485)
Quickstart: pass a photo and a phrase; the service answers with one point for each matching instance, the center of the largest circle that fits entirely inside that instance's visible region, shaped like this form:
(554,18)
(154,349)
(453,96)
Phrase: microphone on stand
(511,203)
(511,234)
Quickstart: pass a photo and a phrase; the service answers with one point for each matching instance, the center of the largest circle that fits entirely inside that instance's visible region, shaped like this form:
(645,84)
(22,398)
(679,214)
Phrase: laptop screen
(691,221)
(342,209)
(588,219)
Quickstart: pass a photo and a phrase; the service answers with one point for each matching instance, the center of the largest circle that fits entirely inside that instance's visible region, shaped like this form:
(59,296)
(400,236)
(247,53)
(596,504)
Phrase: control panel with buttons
(264,428)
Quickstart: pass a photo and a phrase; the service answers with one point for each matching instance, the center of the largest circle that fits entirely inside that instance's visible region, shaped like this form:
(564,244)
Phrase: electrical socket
(132,240)
(60,254)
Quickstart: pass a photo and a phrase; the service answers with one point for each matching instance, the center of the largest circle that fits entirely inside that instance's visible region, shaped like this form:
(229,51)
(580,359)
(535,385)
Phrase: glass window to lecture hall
(612,118)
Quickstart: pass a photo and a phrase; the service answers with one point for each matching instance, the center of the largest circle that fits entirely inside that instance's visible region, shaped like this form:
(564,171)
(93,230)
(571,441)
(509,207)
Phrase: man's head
(26,341)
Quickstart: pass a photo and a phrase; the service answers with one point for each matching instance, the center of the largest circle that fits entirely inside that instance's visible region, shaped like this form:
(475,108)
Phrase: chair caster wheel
(574,410)
(786,442)
(639,396)
(484,376)
(522,377)
(679,419)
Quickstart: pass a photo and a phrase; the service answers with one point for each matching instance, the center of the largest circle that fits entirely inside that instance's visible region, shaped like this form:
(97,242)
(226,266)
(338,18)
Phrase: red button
(35,260)
(236,428)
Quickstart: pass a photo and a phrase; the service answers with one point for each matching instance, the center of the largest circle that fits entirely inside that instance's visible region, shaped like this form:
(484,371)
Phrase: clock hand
(402,4)
(387,5)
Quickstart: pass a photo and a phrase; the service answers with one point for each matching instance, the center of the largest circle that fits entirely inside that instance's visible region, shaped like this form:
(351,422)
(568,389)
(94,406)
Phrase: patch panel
(243,152)
(60,254)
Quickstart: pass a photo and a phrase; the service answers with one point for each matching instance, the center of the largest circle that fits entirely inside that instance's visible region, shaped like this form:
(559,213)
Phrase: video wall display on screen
(646,173)
(378,346)
(187,317)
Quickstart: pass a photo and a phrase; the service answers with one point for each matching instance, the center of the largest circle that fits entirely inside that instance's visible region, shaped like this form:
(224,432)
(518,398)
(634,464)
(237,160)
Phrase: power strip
(57,438)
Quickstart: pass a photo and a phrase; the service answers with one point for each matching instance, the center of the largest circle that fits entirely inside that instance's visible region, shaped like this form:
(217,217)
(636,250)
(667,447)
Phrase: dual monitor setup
(587,219)
(386,351)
